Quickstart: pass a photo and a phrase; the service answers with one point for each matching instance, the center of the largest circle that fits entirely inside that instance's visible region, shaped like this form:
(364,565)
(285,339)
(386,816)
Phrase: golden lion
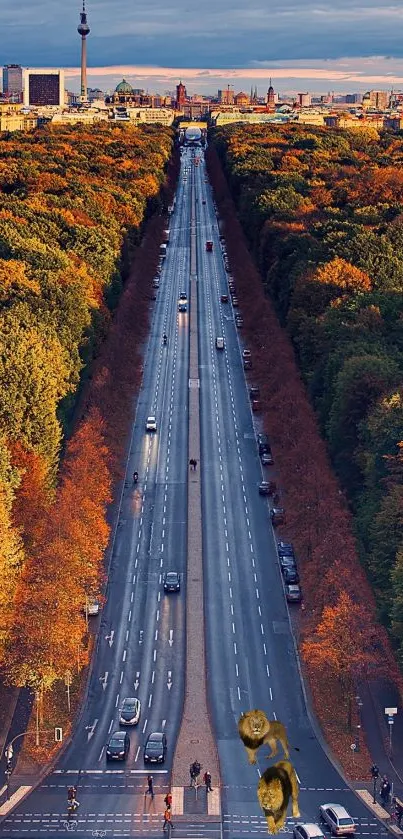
(255,729)
(274,789)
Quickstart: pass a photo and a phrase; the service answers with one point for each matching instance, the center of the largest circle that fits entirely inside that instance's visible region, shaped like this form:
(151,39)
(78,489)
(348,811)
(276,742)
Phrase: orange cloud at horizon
(334,73)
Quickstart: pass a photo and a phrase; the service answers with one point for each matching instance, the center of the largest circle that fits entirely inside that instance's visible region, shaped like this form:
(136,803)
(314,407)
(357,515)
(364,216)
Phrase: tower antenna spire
(83,29)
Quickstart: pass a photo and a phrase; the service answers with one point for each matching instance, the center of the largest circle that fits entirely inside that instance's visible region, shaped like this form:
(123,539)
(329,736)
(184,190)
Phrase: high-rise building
(44,87)
(180,96)
(304,100)
(83,29)
(12,80)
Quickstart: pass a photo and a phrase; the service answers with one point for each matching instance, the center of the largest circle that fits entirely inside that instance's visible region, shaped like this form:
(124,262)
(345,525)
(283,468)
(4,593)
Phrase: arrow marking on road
(109,638)
(141,637)
(163,724)
(169,682)
(171,637)
(104,680)
(137,682)
(91,729)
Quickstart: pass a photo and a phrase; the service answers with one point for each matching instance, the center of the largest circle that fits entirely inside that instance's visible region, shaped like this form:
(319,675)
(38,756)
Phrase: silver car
(338,819)
(130,711)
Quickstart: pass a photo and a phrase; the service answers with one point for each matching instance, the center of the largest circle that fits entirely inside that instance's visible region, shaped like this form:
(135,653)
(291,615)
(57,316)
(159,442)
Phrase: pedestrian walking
(385,790)
(167,818)
(168,800)
(194,772)
(207,781)
(150,789)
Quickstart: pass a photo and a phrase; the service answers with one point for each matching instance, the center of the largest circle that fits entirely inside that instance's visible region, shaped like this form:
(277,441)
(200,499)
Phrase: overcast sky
(331,38)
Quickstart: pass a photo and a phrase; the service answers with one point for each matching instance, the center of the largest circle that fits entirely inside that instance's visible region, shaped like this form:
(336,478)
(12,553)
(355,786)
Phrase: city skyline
(296,42)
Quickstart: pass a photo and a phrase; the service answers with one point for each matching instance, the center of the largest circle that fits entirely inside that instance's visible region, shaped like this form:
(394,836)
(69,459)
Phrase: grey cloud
(220,35)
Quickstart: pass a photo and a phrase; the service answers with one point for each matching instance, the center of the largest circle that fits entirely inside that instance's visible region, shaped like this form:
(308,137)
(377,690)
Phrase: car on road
(285,549)
(256,406)
(290,574)
(277,515)
(118,746)
(171,581)
(219,342)
(203,202)
(156,283)
(182,306)
(235,303)
(338,819)
(155,749)
(91,607)
(246,353)
(267,487)
(224,298)
(307,831)
(239,321)
(293,594)
(254,392)
(266,458)
(247,363)
(287,562)
(151,424)
(183,296)
(130,711)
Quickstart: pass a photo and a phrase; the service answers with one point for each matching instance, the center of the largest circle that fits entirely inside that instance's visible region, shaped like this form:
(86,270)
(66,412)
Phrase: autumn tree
(344,645)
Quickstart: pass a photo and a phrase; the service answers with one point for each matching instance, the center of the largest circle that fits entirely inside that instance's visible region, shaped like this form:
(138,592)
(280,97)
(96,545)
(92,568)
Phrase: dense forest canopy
(323,213)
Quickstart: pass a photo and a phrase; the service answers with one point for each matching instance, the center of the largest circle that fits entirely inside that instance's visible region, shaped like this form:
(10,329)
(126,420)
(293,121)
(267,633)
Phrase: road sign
(390,720)
(390,711)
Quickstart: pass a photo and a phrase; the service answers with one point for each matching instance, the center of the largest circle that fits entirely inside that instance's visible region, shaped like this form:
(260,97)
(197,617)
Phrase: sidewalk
(376,696)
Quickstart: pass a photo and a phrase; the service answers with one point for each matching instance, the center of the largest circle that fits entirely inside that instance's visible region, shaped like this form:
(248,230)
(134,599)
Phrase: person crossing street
(207,781)
(167,819)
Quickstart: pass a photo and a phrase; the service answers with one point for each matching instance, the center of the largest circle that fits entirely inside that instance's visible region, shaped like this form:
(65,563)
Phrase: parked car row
(289,570)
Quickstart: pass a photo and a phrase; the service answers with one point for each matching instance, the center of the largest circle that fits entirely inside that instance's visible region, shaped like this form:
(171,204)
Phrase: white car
(338,819)
(151,424)
(307,831)
(92,606)
(130,711)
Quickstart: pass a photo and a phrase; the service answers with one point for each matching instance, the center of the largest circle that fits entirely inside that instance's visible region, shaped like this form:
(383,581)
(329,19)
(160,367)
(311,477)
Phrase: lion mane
(276,786)
(255,729)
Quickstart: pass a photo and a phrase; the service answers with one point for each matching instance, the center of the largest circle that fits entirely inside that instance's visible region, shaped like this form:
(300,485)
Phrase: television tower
(83,29)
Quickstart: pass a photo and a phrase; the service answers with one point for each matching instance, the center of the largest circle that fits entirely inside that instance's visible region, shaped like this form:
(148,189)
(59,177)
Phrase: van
(219,342)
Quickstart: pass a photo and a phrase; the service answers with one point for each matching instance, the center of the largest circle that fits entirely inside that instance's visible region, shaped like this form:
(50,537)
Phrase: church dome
(124,87)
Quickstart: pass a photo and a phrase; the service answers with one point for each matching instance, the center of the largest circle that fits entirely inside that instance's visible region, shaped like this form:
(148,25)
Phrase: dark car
(290,575)
(267,487)
(247,364)
(224,298)
(277,515)
(285,549)
(172,581)
(182,307)
(263,443)
(266,458)
(256,406)
(130,711)
(254,392)
(239,321)
(118,746)
(293,593)
(155,749)
(288,562)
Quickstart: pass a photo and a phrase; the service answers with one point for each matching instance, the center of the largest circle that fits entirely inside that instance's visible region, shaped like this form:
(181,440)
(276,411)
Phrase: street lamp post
(360,704)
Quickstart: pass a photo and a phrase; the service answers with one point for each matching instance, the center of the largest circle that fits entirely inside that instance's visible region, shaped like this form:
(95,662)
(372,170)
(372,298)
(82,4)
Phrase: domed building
(241,99)
(124,95)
